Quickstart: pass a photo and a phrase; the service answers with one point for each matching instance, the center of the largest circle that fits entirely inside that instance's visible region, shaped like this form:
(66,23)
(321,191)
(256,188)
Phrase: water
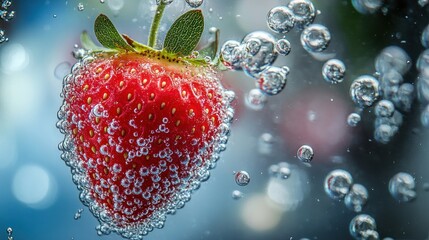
(263,138)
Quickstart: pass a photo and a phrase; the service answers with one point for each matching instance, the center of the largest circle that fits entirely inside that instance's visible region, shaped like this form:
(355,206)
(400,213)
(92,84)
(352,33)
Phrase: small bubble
(166,2)
(423,62)
(80,6)
(194,3)
(231,54)
(337,183)
(280,19)
(367,6)
(78,214)
(102,1)
(363,226)
(393,57)
(283,47)
(255,99)
(364,90)
(54,16)
(242,178)
(280,170)
(265,143)
(353,119)
(315,38)
(305,153)
(384,108)
(333,71)
(273,80)
(383,133)
(402,187)
(424,117)
(236,194)
(304,12)
(356,198)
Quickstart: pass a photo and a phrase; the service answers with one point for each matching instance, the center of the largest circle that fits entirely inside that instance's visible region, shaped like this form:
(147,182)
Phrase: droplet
(362,227)
(393,57)
(283,47)
(367,6)
(273,80)
(356,198)
(242,178)
(333,71)
(261,55)
(384,108)
(80,6)
(337,183)
(353,119)
(305,153)
(315,38)
(304,12)
(255,99)
(364,90)
(402,187)
(280,19)
(194,3)
(236,194)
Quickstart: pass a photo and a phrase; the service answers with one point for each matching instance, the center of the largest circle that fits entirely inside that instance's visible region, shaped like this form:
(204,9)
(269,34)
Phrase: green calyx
(179,44)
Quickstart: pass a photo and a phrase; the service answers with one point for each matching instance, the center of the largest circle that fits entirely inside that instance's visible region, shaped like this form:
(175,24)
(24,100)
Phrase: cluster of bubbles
(386,92)
(80,7)
(6,15)
(242,178)
(339,185)
(422,85)
(402,187)
(191,3)
(9,232)
(78,214)
(363,226)
(258,50)
(280,170)
(305,153)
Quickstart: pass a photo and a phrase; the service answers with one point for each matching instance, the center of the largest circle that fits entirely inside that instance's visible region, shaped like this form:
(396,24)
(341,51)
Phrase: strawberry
(142,126)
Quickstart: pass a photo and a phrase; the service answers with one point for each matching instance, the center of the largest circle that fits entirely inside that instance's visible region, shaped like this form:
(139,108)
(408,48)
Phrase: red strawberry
(142,128)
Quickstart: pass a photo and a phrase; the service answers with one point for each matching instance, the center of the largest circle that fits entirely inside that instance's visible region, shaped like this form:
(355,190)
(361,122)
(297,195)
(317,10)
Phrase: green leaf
(185,33)
(108,36)
(88,44)
(211,48)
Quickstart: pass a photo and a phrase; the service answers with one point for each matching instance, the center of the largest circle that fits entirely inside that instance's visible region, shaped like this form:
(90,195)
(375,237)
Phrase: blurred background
(38,199)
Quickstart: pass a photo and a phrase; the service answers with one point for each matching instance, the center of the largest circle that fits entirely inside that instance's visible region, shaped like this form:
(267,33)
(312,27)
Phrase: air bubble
(265,143)
(353,119)
(236,194)
(78,214)
(194,3)
(255,99)
(362,227)
(242,178)
(254,62)
(231,54)
(315,38)
(423,63)
(364,90)
(304,12)
(402,187)
(305,153)
(395,58)
(333,71)
(337,183)
(425,37)
(80,6)
(2,37)
(384,108)
(367,6)
(273,80)
(424,117)
(283,47)
(280,170)
(280,19)
(166,2)
(356,198)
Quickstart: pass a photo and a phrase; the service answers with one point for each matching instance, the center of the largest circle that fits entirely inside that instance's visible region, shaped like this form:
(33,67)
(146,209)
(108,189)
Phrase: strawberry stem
(155,24)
